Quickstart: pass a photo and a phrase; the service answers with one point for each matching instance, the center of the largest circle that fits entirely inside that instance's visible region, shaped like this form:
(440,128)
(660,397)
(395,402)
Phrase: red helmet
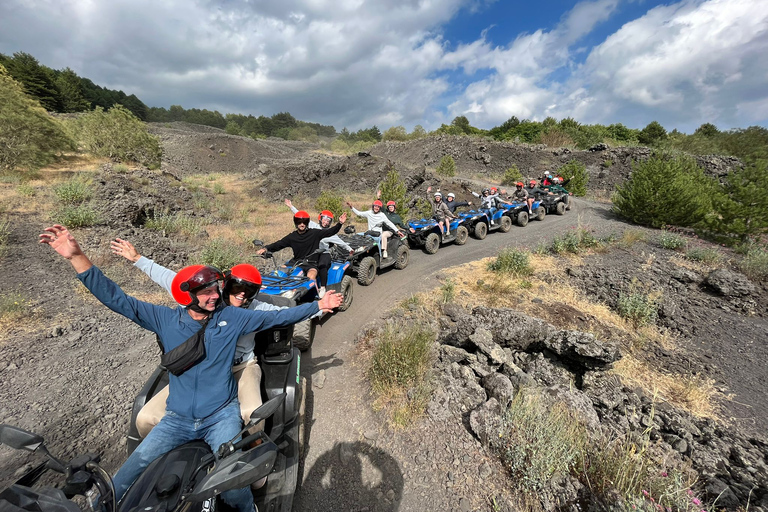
(378,203)
(192,279)
(325,213)
(519,184)
(245,276)
(391,203)
(532,182)
(299,217)
(494,190)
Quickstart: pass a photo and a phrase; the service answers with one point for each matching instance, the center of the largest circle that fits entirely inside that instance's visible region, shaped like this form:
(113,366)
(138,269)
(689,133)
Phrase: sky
(358,63)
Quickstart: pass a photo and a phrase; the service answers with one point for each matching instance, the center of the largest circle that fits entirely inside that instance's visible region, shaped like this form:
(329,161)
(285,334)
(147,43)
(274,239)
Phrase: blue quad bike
(282,389)
(519,212)
(483,220)
(366,258)
(289,282)
(188,478)
(428,234)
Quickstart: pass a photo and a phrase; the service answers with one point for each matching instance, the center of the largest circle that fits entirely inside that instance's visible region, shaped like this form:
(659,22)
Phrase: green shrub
(221,254)
(395,133)
(331,201)
(200,200)
(447,166)
(423,208)
(537,442)
(13,307)
(576,241)
(117,134)
(167,224)
(400,370)
(575,174)
(76,190)
(511,176)
(29,137)
(512,262)
(76,216)
(121,168)
(5,235)
(218,188)
(26,190)
(705,255)
(448,291)
(638,308)
(670,240)
(664,191)
(755,263)
(393,189)
(742,203)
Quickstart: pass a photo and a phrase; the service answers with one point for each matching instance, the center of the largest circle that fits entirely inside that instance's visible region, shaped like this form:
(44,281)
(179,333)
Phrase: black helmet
(486,191)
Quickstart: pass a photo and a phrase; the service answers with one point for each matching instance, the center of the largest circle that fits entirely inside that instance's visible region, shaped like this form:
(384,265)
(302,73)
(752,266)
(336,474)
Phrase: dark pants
(320,262)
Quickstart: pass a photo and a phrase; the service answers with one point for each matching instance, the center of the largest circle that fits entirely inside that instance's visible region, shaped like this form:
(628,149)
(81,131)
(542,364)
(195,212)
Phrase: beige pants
(384,237)
(248,377)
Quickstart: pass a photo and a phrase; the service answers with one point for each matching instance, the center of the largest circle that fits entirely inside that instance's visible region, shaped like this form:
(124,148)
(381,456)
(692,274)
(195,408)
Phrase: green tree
(233,128)
(29,137)
(511,176)
(396,133)
(707,130)
(576,177)
(117,134)
(664,191)
(393,189)
(462,123)
(742,206)
(418,132)
(652,134)
(71,89)
(38,81)
(447,166)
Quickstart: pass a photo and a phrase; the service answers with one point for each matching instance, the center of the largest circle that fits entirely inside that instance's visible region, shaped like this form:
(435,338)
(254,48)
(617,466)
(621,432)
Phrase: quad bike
(366,257)
(563,193)
(280,363)
(483,220)
(557,203)
(519,212)
(291,283)
(429,234)
(188,478)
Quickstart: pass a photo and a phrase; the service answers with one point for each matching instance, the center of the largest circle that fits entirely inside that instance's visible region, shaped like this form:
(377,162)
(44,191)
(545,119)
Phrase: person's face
(376,208)
(449,199)
(325,221)
(391,208)
(237,295)
(208,297)
(301,225)
(438,199)
(519,187)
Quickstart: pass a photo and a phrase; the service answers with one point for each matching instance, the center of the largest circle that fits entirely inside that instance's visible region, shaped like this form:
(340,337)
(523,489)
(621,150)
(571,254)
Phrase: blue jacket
(208,386)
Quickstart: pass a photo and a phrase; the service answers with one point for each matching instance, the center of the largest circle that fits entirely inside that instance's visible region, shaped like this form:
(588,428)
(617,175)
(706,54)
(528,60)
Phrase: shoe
(321,292)
(384,254)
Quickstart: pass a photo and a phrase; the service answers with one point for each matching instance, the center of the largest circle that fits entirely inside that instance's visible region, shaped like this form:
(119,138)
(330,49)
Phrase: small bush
(13,306)
(448,291)
(331,201)
(631,236)
(607,164)
(121,168)
(218,188)
(221,254)
(575,175)
(167,224)
(5,235)
(26,190)
(576,241)
(511,176)
(511,261)
(76,216)
(706,255)
(400,370)
(640,309)
(447,166)
(200,200)
(393,189)
(423,208)
(755,263)
(670,240)
(75,191)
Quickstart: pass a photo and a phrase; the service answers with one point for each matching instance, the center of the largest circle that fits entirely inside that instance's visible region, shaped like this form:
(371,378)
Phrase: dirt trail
(342,422)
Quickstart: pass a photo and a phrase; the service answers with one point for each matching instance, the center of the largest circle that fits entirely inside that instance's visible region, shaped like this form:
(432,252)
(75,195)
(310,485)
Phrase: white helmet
(452,195)
(438,194)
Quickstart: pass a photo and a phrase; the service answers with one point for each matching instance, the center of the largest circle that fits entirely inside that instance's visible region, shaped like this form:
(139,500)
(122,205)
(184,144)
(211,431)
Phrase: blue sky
(356,63)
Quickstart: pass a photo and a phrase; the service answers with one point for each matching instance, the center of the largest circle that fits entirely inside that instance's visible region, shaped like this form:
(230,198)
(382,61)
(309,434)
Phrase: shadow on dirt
(352,476)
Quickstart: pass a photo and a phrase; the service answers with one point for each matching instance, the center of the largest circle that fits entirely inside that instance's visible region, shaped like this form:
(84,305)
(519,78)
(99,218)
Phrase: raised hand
(125,249)
(343,218)
(62,241)
(288,203)
(349,204)
(330,301)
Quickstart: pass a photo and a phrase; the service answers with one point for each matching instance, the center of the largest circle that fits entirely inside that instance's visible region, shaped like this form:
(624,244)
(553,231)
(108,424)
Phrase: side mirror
(19,439)
(349,230)
(257,243)
(267,409)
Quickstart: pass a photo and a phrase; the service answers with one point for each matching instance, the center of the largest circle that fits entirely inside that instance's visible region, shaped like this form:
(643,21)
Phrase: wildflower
(690,492)
(696,501)
(664,474)
(645,493)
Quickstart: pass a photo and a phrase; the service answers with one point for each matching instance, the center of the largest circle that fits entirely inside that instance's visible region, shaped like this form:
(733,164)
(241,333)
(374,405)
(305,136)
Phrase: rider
(241,285)
(393,216)
(440,211)
(202,402)
(534,190)
(376,220)
(304,243)
(452,204)
(521,195)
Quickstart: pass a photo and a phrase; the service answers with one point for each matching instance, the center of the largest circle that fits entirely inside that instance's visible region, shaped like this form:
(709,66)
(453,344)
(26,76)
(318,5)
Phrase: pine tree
(71,90)
(38,81)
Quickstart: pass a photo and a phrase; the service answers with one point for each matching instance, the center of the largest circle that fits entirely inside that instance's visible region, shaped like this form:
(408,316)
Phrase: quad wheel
(567,202)
(366,272)
(540,213)
(432,243)
(560,208)
(403,256)
(346,290)
(522,219)
(462,233)
(506,224)
(304,334)
(481,230)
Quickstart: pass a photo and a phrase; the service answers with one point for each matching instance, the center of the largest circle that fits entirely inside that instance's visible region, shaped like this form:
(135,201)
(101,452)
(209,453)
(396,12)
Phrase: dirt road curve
(341,421)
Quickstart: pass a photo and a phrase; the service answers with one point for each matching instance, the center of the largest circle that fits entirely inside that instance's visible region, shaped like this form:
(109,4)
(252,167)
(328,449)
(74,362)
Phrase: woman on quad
(440,211)
(393,216)
(376,221)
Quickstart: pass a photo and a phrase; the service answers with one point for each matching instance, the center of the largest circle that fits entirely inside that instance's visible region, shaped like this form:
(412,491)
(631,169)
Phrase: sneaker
(384,254)
(321,292)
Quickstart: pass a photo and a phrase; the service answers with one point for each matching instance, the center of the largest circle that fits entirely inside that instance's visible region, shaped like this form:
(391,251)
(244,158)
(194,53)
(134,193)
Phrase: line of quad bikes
(191,477)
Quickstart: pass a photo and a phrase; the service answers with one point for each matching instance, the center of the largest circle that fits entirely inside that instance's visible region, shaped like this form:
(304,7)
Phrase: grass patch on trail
(13,308)
(399,368)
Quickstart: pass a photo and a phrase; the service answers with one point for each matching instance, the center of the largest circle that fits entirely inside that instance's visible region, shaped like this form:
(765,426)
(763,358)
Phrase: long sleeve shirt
(305,243)
(440,209)
(488,201)
(325,243)
(452,205)
(375,220)
(397,220)
(164,277)
(312,224)
(208,386)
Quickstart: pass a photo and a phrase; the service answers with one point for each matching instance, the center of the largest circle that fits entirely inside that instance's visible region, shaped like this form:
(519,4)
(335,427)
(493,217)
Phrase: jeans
(174,431)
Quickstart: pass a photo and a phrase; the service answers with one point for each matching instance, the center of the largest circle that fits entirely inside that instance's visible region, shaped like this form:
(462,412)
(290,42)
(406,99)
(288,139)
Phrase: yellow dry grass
(696,266)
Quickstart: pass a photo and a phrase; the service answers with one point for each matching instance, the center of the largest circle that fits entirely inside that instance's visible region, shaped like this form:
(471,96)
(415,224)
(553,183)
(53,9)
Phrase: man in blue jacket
(202,403)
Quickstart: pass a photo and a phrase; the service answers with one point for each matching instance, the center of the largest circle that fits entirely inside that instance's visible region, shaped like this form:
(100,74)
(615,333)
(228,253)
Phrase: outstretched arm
(62,241)
(158,273)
